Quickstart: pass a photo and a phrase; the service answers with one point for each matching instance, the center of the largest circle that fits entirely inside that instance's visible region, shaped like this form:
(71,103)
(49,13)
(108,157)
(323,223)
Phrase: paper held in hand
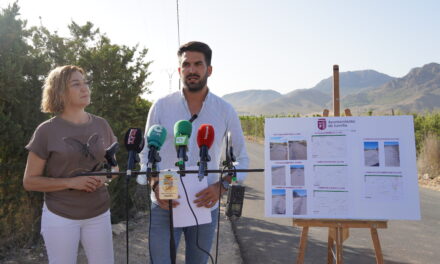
(182,215)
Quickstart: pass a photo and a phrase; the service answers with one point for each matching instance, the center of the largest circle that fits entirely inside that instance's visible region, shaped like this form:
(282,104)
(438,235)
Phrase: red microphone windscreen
(205,135)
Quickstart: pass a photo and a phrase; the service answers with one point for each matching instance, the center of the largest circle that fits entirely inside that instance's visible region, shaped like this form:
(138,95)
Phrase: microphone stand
(182,156)
(153,158)
(131,164)
(133,158)
(181,164)
(154,173)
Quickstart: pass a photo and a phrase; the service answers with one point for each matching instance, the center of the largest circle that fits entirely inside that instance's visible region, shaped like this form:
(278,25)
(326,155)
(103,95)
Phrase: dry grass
(428,162)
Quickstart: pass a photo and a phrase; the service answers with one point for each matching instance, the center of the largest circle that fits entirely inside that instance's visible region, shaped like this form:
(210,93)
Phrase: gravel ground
(138,245)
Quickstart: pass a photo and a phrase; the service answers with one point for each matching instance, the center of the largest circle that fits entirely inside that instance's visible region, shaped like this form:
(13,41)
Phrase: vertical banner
(341,168)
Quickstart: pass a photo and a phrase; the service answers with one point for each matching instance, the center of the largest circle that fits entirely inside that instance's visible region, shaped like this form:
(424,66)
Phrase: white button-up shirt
(216,112)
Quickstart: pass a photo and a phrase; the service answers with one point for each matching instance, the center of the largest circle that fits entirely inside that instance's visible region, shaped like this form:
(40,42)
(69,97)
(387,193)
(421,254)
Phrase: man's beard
(195,87)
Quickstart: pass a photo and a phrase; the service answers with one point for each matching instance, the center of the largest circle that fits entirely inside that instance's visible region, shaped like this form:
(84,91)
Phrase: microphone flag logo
(131,136)
(322,124)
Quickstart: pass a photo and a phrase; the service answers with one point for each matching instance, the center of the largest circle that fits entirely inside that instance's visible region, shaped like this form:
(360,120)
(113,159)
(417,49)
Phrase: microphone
(235,198)
(229,155)
(194,117)
(205,138)
(134,143)
(110,158)
(110,154)
(156,136)
(182,133)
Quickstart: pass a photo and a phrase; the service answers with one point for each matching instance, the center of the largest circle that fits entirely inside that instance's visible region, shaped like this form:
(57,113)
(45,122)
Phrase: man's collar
(182,94)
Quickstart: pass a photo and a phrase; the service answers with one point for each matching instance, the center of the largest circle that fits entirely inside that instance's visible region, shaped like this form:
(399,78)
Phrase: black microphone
(194,117)
(235,198)
(110,154)
(230,158)
(110,158)
(134,143)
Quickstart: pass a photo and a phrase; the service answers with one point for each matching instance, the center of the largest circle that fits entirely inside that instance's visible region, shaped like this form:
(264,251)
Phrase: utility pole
(170,73)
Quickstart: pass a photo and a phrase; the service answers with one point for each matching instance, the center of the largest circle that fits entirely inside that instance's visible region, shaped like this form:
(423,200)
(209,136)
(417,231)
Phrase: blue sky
(391,143)
(278,192)
(281,45)
(300,192)
(371,145)
(278,140)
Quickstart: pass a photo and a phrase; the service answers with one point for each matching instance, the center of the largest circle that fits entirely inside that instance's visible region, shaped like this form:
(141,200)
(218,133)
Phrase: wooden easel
(338,232)
(338,229)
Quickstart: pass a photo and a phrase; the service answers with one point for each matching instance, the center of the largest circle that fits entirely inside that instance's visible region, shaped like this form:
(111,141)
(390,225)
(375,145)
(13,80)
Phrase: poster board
(341,168)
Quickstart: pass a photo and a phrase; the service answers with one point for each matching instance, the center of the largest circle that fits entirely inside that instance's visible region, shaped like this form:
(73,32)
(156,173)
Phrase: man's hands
(209,196)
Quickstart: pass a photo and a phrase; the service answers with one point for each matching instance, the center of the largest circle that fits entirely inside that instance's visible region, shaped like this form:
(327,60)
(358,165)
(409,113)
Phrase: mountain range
(361,91)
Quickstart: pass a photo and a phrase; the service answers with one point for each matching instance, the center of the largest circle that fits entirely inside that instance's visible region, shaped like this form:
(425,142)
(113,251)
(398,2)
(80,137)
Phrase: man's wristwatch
(225,184)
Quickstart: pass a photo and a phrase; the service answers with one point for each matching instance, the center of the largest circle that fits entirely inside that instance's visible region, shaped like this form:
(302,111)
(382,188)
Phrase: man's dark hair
(199,47)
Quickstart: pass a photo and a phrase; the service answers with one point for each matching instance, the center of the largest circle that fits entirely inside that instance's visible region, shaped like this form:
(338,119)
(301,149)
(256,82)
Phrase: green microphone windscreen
(156,136)
(182,128)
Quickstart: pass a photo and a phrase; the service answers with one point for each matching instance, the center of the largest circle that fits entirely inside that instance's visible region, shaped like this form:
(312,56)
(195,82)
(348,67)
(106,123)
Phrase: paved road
(297,150)
(274,240)
(278,175)
(278,151)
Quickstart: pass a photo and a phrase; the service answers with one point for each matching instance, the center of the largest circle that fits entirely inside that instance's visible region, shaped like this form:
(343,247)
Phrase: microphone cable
(149,189)
(173,252)
(197,222)
(218,214)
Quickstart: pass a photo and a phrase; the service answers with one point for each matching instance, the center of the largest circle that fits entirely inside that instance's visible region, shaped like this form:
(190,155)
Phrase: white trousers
(62,236)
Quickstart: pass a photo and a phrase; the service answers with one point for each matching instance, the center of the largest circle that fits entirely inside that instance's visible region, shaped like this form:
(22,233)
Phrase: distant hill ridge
(361,91)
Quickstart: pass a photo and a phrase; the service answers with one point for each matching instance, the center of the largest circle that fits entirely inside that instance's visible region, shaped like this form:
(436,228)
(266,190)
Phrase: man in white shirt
(194,99)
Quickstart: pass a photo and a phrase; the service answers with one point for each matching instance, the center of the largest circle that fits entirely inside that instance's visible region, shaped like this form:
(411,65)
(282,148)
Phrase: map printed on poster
(341,168)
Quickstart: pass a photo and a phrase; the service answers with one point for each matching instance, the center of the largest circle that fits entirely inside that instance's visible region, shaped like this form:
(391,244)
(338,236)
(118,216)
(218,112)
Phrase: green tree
(20,83)
(119,77)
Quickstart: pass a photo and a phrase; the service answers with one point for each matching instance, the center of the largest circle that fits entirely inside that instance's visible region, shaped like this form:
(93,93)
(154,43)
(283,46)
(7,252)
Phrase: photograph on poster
(297,175)
(297,150)
(392,156)
(299,202)
(278,201)
(278,148)
(371,154)
(278,175)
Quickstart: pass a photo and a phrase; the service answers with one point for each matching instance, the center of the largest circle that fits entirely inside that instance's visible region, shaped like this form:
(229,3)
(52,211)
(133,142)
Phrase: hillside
(417,91)
(354,81)
(245,100)
(361,91)
(298,101)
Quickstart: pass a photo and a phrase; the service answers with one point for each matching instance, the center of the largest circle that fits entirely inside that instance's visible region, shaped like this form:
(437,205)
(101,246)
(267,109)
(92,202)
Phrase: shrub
(429,157)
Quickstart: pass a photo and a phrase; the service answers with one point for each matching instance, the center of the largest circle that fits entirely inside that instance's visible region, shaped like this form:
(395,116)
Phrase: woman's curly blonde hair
(55,88)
